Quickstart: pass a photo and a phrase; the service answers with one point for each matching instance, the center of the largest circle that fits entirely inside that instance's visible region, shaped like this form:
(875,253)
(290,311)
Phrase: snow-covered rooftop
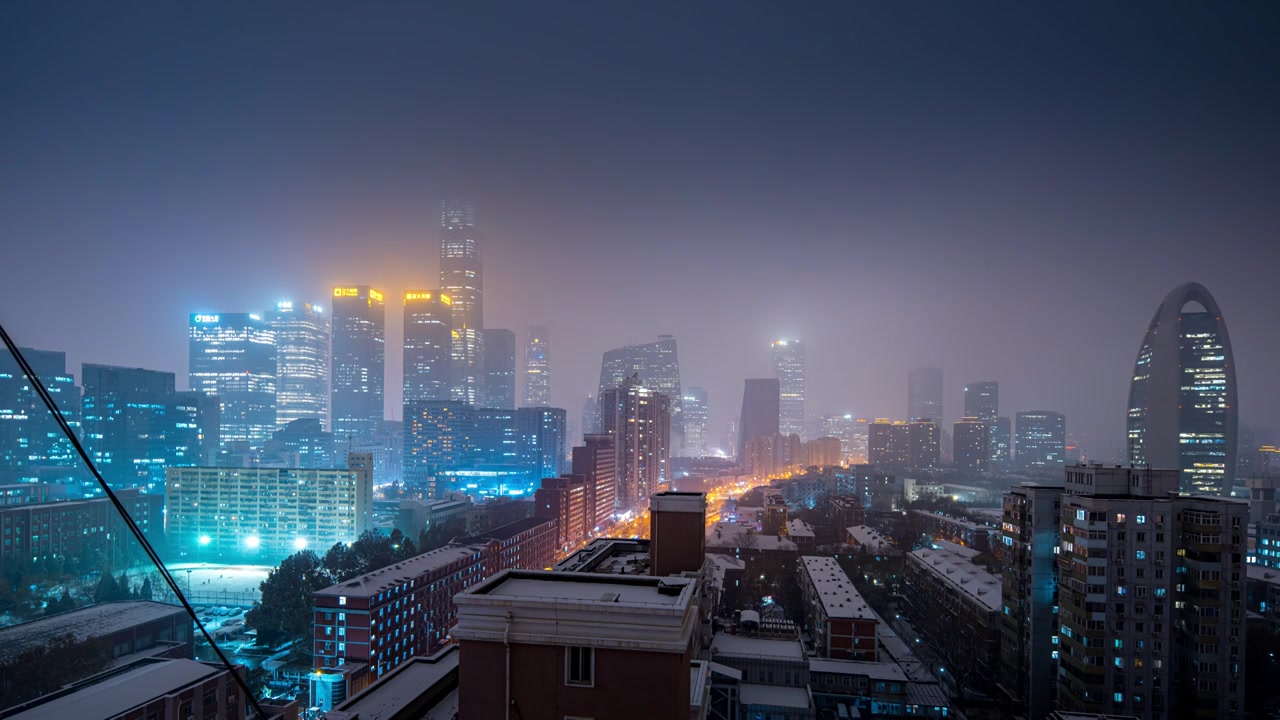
(839,598)
(774,696)
(868,537)
(958,571)
(397,573)
(726,645)
(115,693)
(87,622)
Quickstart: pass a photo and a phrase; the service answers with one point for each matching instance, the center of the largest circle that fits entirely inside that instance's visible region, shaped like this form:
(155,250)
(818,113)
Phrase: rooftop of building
(381,579)
(839,598)
(506,532)
(555,587)
(869,537)
(421,685)
(727,645)
(958,522)
(799,528)
(1260,573)
(119,690)
(958,570)
(613,556)
(732,535)
(750,694)
(673,501)
(888,670)
(92,621)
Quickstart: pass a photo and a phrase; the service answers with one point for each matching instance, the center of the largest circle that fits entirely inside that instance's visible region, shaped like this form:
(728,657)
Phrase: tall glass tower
(924,394)
(695,422)
(302,362)
(499,387)
(428,347)
(359,360)
(233,357)
(537,368)
(1182,399)
(788,367)
(462,279)
(657,366)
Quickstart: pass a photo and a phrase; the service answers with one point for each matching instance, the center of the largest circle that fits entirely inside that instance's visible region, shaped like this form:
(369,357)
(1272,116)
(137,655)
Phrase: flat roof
(550,587)
(725,535)
(887,670)
(508,531)
(1261,573)
(617,556)
(87,622)
(405,685)
(371,584)
(868,536)
(839,598)
(960,573)
(966,524)
(116,692)
(774,696)
(724,644)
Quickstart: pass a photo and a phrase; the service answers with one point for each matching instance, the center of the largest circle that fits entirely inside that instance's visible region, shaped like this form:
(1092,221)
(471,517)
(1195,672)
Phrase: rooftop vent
(609,597)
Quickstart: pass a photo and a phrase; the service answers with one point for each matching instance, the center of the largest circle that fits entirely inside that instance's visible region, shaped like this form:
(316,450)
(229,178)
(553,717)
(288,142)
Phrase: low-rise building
(801,533)
(845,511)
(124,628)
(956,605)
(75,530)
(417,516)
(865,537)
(840,622)
(763,661)
(970,534)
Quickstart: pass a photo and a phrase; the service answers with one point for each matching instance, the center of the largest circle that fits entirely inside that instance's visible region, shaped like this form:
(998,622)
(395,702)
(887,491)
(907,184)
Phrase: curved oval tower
(1182,400)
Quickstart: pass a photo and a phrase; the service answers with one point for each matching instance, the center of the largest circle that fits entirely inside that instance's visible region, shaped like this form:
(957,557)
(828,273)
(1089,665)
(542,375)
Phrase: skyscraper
(1001,440)
(32,446)
(841,428)
(788,368)
(657,365)
(972,439)
(982,400)
(233,356)
(590,416)
(462,279)
(695,422)
(926,443)
(639,420)
(1042,439)
(889,445)
(302,362)
(428,347)
(499,387)
(130,424)
(541,433)
(537,368)
(924,394)
(1182,400)
(760,405)
(359,360)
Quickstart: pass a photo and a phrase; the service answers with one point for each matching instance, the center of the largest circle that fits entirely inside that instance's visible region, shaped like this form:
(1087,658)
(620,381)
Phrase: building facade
(537,367)
(657,366)
(639,421)
(499,387)
(760,408)
(1042,440)
(359,360)
(889,445)
(925,445)
(233,357)
(462,279)
(132,424)
(596,461)
(842,625)
(924,395)
(88,532)
(972,439)
(428,347)
(696,418)
(32,445)
(788,367)
(302,362)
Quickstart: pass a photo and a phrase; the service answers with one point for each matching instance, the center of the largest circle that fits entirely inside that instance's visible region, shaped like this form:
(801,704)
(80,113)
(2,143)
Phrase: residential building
(840,426)
(124,628)
(822,452)
(358,360)
(565,499)
(924,395)
(972,439)
(1042,440)
(499,387)
(417,516)
(924,439)
(596,461)
(537,367)
(955,605)
(1183,397)
(86,533)
(889,445)
(788,368)
(232,356)
(978,536)
(541,439)
(639,420)
(428,347)
(302,362)
(840,622)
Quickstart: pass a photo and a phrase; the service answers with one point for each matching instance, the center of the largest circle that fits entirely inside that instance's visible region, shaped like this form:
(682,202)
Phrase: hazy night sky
(1006,191)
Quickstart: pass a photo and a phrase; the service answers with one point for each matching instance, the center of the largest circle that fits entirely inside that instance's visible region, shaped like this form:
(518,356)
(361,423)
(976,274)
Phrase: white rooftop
(733,535)
(799,528)
(86,622)
(835,589)
(869,537)
(959,572)
(595,592)
(116,694)
(875,670)
(774,696)
(397,573)
(726,645)
(1271,576)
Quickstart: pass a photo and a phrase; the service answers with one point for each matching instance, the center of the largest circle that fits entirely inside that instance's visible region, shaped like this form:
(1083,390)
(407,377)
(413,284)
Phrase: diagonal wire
(124,514)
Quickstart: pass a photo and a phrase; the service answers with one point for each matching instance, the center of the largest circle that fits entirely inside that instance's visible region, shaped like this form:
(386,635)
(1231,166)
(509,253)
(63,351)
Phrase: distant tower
(972,439)
(359,360)
(1182,400)
(428,346)
(499,386)
(657,366)
(788,368)
(1042,439)
(639,419)
(302,362)
(233,357)
(537,368)
(924,394)
(760,407)
(590,416)
(695,422)
(982,400)
(462,279)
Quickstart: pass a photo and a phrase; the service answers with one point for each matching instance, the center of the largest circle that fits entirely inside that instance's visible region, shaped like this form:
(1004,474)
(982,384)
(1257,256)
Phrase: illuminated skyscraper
(462,279)
(233,356)
(428,347)
(695,422)
(926,444)
(32,447)
(924,394)
(657,365)
(537,368)
(1002,440)
(302,362)
(982,400)
(788,367)
(889,445)
(972,439)
(841,428)
(760,399)
(639,420)
(359,360)
(1182,400)
(499,387)
(1042,439)
(541,432)
(131,424)
(590,416)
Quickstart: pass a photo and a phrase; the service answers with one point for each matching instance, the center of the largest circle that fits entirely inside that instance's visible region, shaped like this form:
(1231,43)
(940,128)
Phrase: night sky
(1006,191)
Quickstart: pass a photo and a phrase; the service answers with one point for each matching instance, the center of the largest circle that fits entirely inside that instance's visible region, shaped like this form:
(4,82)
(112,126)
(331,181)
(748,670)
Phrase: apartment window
(581,666)
(342,599)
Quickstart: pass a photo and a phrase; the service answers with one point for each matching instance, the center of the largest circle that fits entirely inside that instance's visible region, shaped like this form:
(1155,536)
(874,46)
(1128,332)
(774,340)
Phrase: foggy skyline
(1005,195)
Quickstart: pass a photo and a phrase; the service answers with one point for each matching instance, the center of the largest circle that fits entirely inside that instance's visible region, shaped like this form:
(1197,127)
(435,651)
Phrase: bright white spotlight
(205,540)
(252,542)
(300,544)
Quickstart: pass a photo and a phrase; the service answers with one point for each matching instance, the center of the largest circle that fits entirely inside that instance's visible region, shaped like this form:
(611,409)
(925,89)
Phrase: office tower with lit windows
(695,422)
(1042,439)
(639,420)
(924,394)
(233,357)
(657,365)
(972,438)
(1001,441)
(590,416)
(359,360)
(859,446)
(925,442)
(32,446)
(597,462)
(197,417)
(537,368)
(982,400)
(841,428)
(499,387)
(889,445)
(759,418)
(788,367)
(131,424)
(302,444)
(462,279)
(302,362)
(541,432)
(1182,400)
(428,346)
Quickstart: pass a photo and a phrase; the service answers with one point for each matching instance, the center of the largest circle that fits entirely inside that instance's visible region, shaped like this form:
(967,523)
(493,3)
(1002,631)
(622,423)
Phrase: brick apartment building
(841,623)
(89,530)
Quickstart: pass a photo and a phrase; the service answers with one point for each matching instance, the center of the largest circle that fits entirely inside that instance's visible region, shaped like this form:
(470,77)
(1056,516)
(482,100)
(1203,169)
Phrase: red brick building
(565,499)
(74,529)
(842,624)
(595,460)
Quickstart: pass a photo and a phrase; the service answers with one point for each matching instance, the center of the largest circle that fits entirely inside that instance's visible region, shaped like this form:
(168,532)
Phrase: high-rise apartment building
(889,445)
(428,347)
(760,407)
(972,438)
(132,424)
(302,362)
(639,420)
(499,387)
(597,462)
(1042,439)
(537,368)
(657,365)
(233,357)
(925,442)
(462,279)
(1182,400)
(696,443)
(1028,669)
(924,394)
(788,368)
(860,444)
(1001,441)
(359,360)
